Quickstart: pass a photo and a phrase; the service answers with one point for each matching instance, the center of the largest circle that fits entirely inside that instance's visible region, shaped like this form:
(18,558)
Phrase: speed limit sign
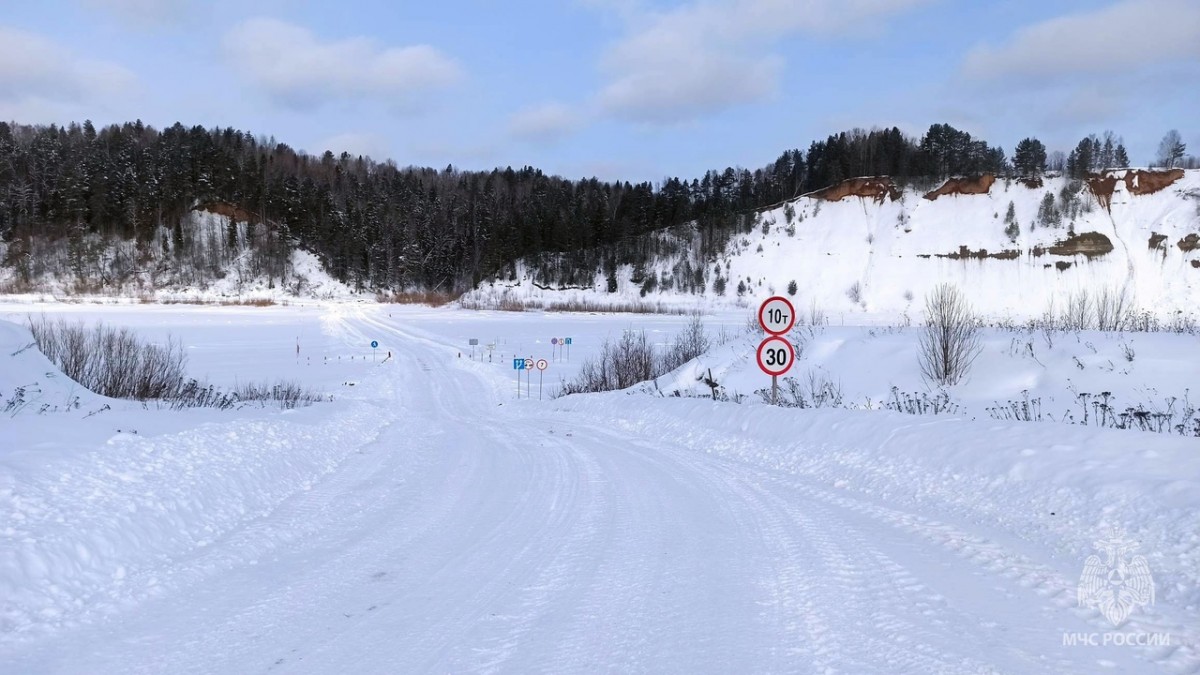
(775,356)
(776,315)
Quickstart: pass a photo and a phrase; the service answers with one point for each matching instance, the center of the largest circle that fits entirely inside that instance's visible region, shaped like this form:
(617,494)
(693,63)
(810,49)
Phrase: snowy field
(428,520)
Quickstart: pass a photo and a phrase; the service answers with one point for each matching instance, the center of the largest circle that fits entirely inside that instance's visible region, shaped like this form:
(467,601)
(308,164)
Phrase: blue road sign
(374,344)
(518,364)
(568,340)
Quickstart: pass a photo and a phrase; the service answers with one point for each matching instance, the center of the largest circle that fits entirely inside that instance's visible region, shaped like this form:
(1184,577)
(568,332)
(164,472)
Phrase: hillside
(217,254)
(867,246)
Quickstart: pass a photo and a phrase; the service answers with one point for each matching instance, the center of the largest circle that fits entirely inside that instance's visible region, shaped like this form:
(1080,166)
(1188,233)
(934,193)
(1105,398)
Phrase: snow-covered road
(476,534)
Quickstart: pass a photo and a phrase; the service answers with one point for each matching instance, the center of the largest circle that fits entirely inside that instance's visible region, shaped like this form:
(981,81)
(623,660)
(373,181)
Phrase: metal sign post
(542,365)
(518,365)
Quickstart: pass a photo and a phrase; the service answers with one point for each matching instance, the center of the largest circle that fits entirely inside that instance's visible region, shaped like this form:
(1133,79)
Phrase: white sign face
(775,355)
(543,364)
(776,315)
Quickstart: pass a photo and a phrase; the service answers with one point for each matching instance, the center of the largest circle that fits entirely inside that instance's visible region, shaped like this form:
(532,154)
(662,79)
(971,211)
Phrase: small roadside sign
(775,355)
(776,315)
(374,346)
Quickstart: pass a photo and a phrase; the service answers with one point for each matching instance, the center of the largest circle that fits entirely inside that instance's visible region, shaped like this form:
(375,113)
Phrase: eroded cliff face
(980,185)
(876,189)
(1137,182)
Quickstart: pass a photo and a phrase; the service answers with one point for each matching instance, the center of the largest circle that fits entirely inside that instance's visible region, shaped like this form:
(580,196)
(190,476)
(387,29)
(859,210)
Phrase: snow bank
(90,518)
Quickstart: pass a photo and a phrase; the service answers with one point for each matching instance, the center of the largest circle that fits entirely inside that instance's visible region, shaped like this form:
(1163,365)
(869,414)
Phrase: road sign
(776,315)
(553,341)
(568,341)
(473,341)
(374,344)
(542,364)
(775,355)
(518,364)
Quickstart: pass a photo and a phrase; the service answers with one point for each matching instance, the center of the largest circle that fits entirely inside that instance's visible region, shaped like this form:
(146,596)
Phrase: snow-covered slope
(894,247)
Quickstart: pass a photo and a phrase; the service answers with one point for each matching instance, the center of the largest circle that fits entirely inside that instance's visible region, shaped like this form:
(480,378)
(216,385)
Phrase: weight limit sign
(776,315)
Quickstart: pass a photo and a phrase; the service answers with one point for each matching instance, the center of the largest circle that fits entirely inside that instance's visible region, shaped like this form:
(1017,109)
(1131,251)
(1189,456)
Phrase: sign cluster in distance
(530,364)
(775,354)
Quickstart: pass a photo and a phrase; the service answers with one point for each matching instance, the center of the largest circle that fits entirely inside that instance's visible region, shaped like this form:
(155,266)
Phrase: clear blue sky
(631,89)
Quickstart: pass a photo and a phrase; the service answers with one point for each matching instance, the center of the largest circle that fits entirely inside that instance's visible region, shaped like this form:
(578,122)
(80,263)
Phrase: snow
(878,245)
(428,520)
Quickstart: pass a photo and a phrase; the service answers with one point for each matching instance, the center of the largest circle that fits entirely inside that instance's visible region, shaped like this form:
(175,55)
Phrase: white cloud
(546,123)
(296,68)
(709,55)
(42,80)
(1122,37)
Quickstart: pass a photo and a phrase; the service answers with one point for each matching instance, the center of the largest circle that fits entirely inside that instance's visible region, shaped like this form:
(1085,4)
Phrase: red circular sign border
(763,324)
(758,355)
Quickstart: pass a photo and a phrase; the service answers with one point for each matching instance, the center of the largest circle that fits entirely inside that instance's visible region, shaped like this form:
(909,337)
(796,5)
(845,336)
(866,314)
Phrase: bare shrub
(114,362)
(635,307)
(632,359)
(951,339)
(111,361)
(1113,312)
(816,315)
(855,292)
(690,343)
(619,365)
(431,298)
(287,393)
(1078,313)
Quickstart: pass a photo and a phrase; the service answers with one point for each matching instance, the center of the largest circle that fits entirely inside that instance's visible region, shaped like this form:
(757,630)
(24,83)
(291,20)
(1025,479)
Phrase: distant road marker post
(775,354)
